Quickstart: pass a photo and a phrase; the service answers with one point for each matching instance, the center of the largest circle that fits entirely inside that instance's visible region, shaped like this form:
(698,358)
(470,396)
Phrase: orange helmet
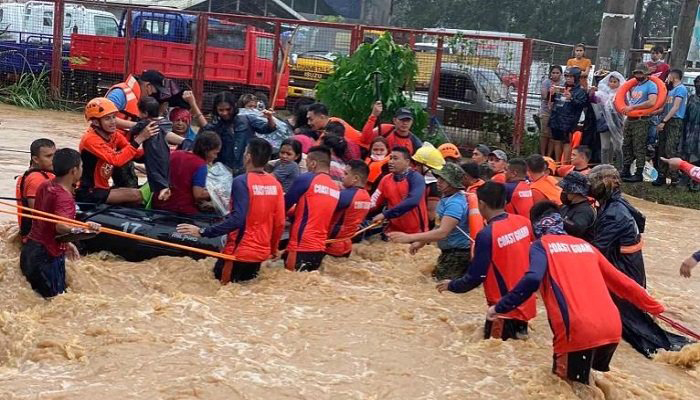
(99,107)
(449,150)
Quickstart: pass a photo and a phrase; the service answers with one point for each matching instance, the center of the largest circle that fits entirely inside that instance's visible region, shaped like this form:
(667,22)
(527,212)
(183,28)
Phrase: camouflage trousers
(634,144)
(668,145)
(452,264)
(125,176)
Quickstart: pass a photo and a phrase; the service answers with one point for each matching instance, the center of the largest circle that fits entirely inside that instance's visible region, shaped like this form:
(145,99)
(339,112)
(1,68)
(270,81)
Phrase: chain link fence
(475,85)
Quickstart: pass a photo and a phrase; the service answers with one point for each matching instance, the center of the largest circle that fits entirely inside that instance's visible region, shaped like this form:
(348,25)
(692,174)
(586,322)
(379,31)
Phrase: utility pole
(684,34)
(615,38)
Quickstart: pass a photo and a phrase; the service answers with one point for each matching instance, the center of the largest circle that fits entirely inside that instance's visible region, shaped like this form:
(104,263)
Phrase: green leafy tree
(349,92)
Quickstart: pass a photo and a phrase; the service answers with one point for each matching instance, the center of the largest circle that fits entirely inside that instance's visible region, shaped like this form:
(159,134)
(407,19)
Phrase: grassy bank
(678,196)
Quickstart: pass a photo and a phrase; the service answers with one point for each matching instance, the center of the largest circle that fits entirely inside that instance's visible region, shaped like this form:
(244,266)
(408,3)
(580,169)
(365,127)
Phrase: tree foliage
(564,21)
(349,91)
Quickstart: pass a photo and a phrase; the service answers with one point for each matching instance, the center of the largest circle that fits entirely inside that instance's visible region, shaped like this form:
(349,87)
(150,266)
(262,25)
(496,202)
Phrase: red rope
(679,327)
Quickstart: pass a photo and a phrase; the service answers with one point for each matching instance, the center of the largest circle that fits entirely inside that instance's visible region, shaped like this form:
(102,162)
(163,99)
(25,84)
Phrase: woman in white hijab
(609,120)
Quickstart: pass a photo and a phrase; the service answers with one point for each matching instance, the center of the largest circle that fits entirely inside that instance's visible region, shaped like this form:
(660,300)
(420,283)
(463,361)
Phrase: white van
(33,21)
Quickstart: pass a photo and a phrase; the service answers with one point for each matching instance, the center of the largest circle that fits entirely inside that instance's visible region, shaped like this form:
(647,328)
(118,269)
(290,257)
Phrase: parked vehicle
(26,32)
(238,57)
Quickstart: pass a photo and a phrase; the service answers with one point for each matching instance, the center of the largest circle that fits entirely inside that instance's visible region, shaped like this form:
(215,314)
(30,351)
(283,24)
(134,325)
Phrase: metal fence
(475,86)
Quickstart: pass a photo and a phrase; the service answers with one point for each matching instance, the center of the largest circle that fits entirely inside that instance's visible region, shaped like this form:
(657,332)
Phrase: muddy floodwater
(368,327)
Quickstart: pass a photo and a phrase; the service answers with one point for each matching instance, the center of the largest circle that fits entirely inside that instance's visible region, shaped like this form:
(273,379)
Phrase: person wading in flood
(500,260)
(256,221)
(43,257)
(315,195)
(40,170)
(583,317)
(618,235)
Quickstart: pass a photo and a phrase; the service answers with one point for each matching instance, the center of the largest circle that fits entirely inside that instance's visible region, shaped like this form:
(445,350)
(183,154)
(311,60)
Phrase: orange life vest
(351,134)
(132,91)
(547,185)
(476,221)
(375,169)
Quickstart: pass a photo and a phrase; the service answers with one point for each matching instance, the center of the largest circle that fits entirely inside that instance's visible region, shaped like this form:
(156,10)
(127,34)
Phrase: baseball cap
(641,67)
(500,154)
(403,113)
(483,149)
(155,78)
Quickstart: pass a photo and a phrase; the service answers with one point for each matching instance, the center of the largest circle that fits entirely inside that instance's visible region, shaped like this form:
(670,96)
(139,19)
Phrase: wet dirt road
(368,327)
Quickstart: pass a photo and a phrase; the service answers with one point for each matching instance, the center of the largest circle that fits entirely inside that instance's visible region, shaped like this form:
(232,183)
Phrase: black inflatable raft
(150,223)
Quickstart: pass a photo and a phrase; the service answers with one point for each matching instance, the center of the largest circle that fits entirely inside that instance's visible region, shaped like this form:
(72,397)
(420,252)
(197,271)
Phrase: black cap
(155,78)
(403,113)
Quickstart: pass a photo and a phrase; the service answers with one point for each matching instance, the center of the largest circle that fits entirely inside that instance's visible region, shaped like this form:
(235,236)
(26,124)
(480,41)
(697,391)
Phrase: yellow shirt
(583,64)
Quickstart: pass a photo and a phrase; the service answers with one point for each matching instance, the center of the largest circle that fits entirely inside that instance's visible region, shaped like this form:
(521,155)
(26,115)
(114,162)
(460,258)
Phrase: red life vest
(264,223)
(132,91)
(415,220)
(183,166)
(312,215)
(510,254)
(346,221)
(521,201)
(581,312)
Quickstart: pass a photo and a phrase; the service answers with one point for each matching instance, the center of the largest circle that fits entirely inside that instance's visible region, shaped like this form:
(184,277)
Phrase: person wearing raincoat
(608,119)
(618,235)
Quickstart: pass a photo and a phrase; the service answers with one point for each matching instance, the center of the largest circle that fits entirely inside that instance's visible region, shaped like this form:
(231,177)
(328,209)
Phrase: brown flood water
(369,327)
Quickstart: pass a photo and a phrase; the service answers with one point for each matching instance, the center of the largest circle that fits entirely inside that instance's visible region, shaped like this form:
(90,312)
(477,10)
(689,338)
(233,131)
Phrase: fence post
(57,53)
(275,62)
(127,43)
(523,85)
(435,84)
(200,53)
(355,38)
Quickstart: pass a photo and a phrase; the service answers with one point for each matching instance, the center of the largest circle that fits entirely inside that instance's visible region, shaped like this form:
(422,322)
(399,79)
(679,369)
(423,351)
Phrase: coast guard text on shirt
(557,247)
(512,237)
(323,189)
(265,190)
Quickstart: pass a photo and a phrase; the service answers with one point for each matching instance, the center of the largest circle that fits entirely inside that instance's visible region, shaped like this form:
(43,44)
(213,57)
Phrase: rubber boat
(154,224)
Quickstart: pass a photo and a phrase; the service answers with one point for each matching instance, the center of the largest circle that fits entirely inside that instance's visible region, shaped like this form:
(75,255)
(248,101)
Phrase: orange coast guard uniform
(499,177)
(519,198)
(404,197)
(500,260)
(316,198)
(353,206)
(546,188)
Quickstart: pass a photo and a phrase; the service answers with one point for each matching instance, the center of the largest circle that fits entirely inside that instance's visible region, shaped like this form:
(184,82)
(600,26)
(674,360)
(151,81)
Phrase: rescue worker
(498,161)
(318,119)
(450,152)
(126,96)
(353,205)
(256,221)
(43,257)
(577,212)
(618,235)
(102,149)
(397,134)
(316,196)
(40,170)
(427,159)
(578,281)
(580,157)
(518,193)
(635,129)
(500,260)
(480,155)
(403,193)
(472,176)
(544,186)
(451,232)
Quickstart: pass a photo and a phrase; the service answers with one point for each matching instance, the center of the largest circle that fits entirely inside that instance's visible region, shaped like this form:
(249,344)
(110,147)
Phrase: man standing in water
(316,197)
(255,224)
(583,318)
(40,170)
(500,260)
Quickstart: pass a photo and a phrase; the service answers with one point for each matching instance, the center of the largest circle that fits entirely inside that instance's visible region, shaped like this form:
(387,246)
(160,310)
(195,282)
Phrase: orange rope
(374,225)
(57,219)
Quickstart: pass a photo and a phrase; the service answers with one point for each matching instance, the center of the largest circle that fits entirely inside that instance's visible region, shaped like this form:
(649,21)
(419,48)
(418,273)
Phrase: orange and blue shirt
(353,206)
(256,221)
(575,281)
(519,198)
(404,195)
(500,260)
(316,198)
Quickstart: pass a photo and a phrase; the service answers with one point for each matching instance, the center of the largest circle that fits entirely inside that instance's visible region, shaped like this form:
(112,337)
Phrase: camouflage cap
(575,183)
(452,173)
